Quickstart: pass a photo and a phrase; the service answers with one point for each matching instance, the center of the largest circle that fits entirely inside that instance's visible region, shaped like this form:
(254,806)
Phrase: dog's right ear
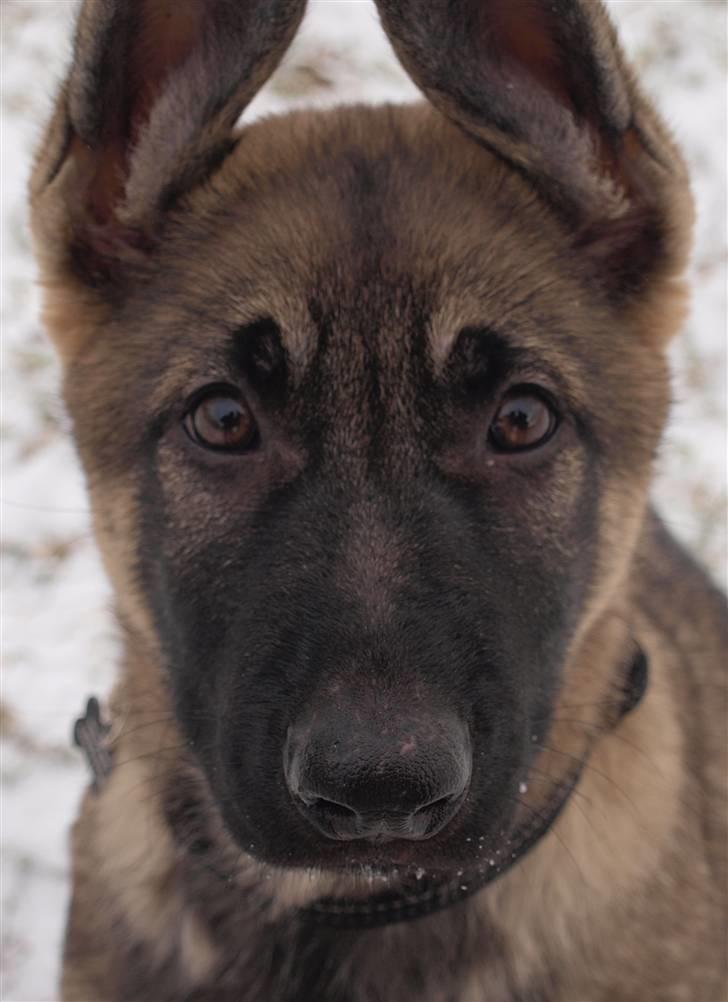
(147,111)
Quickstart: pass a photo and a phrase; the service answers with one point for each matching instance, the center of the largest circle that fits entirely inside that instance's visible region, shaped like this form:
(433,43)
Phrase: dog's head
(367,400)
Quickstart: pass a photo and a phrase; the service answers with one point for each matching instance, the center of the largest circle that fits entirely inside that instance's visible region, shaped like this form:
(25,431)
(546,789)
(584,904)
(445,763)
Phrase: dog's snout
(360,780)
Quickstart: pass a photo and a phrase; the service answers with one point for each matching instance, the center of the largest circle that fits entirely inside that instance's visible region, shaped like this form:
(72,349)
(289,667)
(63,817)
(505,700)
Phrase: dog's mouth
(411,892)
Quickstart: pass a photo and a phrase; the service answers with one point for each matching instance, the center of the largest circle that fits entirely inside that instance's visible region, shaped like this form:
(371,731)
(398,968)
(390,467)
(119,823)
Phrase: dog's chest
(425,961)
(439,960)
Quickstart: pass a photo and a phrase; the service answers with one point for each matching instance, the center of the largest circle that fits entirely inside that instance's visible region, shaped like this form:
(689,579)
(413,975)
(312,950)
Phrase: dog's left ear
(544,85)
(147,112)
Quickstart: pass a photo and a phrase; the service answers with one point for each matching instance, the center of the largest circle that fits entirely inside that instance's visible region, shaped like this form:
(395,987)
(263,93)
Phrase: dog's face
(368,402)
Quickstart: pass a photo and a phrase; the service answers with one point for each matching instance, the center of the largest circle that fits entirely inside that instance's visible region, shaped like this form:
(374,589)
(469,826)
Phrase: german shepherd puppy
(419,701)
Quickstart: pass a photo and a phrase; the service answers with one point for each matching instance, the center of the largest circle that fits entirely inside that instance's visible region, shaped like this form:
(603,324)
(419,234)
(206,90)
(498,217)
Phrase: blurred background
(58,639)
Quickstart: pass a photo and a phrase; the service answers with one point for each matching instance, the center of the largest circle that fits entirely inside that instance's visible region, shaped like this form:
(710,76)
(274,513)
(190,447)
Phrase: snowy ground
(58,638)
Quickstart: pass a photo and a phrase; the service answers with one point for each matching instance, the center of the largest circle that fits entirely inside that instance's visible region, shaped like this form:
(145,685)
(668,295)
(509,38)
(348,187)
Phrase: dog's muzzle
(413,900)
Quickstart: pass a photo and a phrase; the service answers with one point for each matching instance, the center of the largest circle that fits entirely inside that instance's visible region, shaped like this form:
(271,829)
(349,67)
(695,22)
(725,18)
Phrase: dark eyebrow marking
(479,358)
(257,352)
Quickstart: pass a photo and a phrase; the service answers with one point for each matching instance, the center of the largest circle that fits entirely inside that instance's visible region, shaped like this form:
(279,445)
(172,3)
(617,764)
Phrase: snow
(58,637)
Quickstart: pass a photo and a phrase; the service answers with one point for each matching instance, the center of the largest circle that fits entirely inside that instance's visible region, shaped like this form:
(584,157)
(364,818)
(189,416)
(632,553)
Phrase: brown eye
(524,420)
(221,420)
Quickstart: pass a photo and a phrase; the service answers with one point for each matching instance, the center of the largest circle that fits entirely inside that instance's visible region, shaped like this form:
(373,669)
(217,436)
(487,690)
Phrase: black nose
(353,778)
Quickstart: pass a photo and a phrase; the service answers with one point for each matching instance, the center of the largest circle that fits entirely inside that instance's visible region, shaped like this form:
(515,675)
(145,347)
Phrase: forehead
(358,231)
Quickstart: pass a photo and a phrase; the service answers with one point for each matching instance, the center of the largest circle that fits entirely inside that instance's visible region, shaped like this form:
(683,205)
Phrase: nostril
(330,808)
(332,818)
(435,805)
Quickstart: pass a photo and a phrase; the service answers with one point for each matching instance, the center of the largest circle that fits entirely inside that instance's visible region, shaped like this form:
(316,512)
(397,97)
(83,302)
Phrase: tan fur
(554,899)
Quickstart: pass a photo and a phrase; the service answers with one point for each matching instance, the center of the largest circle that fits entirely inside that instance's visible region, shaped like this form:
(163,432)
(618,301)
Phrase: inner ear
(145,42)
(167,32)
(525,38)
(551,48)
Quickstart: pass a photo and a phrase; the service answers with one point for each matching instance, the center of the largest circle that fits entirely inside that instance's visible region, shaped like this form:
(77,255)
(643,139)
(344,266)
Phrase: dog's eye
(524,420)
(220,419)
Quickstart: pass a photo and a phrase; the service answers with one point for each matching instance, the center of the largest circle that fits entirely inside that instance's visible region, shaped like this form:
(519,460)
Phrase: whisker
(556,835)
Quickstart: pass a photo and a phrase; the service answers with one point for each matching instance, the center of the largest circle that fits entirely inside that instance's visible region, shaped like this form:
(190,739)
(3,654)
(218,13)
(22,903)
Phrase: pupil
(226,414)
(521,417)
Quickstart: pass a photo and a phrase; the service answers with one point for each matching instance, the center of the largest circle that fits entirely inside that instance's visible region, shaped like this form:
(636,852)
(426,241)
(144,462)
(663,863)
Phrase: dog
(419,700)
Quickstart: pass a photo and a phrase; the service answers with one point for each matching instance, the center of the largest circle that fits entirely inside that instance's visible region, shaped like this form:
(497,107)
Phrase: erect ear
(147,111)
(544,85)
